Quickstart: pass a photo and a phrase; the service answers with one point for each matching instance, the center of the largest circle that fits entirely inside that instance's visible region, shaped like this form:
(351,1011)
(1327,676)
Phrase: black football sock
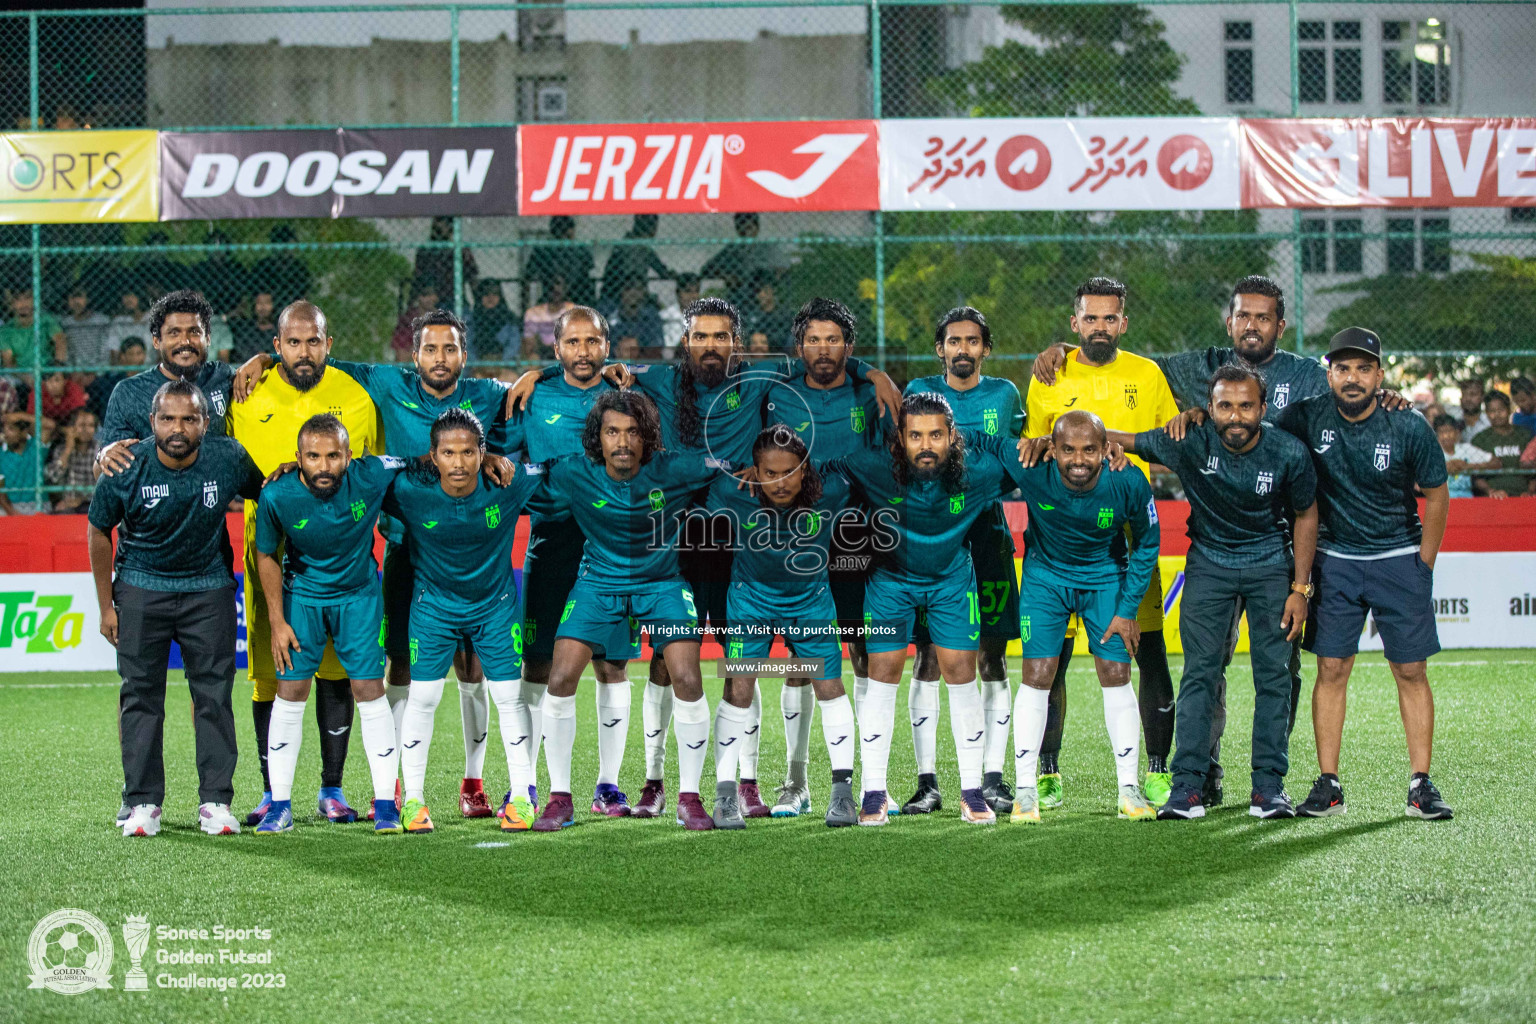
(334,708)
(1155,695)
(261,714)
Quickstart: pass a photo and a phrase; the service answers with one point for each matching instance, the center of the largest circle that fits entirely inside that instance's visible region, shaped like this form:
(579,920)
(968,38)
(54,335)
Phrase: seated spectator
(10,397)
(572,262)
(130,321)
(72,462)
(673,326)
(221,337)
(632,260)
(765,318)
(18,465)
(424,301)
(1459,455)
(282,273)
(16,342)
(1473,422)
(488,318)
(251,335)
(538,338)
(1523,391)
(635,317)
(1502,444)
(61,397)
(86,331)
(130,357)
(436,263)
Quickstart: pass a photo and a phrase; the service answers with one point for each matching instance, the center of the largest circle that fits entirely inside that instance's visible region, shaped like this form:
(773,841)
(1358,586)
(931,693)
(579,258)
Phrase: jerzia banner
(400,172)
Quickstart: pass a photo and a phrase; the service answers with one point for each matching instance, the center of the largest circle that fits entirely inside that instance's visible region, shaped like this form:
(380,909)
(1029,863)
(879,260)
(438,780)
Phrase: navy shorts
(1398,592)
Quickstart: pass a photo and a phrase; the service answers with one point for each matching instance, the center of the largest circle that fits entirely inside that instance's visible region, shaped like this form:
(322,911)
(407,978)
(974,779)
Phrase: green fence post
(874,94)
(1297,241)
(453,113)
(37,279)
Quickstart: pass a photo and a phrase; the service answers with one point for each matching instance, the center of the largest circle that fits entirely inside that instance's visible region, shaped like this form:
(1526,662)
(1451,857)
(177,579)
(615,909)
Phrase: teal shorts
(1044,609)
(355,624)
(609,621)
(807,622)
(549,572)
(493,631)
(893,606)
(996,582)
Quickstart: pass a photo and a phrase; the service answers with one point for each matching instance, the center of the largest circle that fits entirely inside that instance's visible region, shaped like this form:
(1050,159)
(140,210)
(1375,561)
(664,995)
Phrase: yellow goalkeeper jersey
(1129,394)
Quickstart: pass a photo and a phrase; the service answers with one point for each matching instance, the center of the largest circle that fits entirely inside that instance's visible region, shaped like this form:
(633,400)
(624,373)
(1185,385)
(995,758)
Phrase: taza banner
(394,172)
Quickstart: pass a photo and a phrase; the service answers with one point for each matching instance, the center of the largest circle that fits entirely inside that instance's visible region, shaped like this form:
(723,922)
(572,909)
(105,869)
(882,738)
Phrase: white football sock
(875,726)
(283,737)
(692,739)
(1123,720)
(475,710)
(923,705)
(965,721)
(796,702)
(516,732)
(996,705)
(559,740)
(416,734)
(838,726)
(1029,710)
(397,696)
(860,687)
(752,734)
(533,696)
(381,744)
(612,730)
(731,725)
(655,716)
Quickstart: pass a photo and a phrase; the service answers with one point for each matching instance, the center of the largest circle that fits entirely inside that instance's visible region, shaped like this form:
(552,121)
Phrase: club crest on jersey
(216,399)
(956,504)
(1282,396)
(1024,628)
(658,499)
(493,517)
(467,405)
(989,421)
(413,650)
(1130,396)
(211,493)
(856,419)
(1383,457)
(1266,483)
(733,400)
(1106,518)
(358,508)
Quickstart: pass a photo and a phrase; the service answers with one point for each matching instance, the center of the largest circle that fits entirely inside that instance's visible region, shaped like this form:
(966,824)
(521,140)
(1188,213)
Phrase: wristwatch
(1306,590)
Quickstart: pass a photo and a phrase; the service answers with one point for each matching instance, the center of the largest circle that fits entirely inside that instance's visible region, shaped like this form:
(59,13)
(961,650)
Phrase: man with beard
(1373,552)
(708,404)
(409,398)
(789,520)
(553,423)
(460,532)
(179,325)
(629,497)
(1075,563)
(319,522)
(990,406)
(1127,392)
(173,584)
(832,415)
(1245,481)
(926,489)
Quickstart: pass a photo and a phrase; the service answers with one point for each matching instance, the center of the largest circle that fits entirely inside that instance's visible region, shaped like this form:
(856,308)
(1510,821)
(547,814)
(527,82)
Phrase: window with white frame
(1418,240)
(1329,61)
(1415,63)
(1331,244)
(1238,68)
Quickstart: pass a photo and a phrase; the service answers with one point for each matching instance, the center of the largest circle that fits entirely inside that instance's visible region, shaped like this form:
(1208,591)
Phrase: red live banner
(725,167)
(1405,161)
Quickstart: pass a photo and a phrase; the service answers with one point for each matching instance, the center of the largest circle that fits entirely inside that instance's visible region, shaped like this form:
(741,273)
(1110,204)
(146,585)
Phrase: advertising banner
(396,172)
(1147,163)
(1482,599)
(1406,161)
(78,177)
(698,168)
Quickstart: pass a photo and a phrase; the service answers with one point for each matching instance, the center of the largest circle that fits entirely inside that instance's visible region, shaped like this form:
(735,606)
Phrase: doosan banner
(743,167)
(1147,163)
(399,172)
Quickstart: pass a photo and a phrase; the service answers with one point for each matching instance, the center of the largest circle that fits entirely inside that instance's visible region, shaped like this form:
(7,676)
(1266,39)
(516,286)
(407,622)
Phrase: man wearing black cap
(1373,553)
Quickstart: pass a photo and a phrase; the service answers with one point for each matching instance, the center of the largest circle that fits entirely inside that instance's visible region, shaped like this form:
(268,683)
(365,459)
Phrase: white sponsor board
(1108,163)
(1482,599)
(49,622)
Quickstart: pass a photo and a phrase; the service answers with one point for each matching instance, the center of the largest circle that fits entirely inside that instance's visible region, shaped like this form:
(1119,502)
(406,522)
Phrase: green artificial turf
(1366,917)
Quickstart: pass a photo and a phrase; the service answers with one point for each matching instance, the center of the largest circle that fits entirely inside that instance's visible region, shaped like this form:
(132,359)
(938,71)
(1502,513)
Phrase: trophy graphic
(136,937)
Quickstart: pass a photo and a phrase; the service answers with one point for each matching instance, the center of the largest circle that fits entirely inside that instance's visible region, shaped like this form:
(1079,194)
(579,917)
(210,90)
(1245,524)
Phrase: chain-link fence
(1442,286)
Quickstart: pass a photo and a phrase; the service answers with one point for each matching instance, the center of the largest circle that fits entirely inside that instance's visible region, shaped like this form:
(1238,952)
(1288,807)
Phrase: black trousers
(203,623)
